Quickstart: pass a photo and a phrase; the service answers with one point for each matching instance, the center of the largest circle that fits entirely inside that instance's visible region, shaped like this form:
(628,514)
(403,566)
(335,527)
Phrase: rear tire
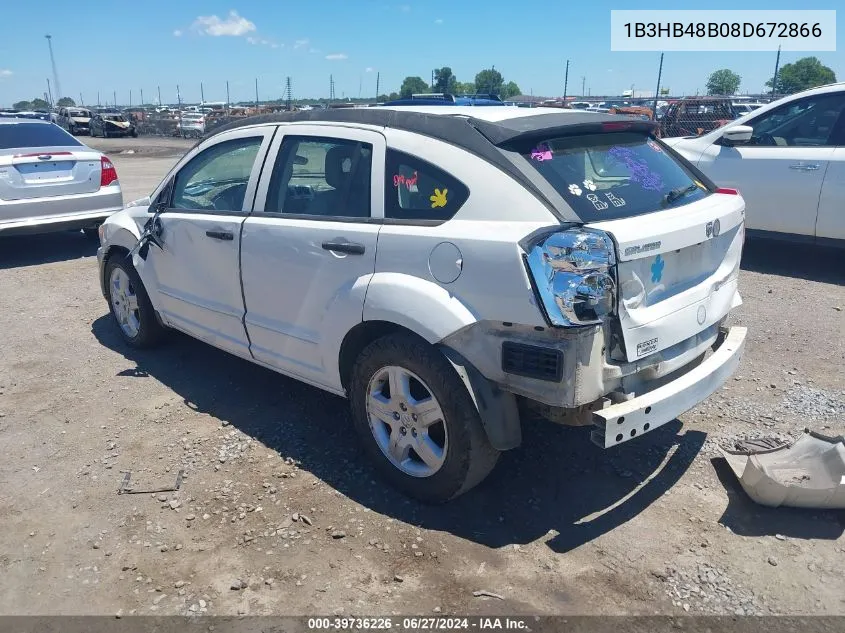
(456,441)
(130,305)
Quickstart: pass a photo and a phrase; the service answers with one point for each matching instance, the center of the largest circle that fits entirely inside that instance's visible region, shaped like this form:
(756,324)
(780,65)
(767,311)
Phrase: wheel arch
(497,408)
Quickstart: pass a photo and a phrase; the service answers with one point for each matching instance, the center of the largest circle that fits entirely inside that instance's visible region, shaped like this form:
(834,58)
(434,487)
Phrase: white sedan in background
(788,160)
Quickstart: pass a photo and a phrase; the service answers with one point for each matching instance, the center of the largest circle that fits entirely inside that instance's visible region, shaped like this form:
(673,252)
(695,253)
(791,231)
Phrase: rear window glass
(614,175)
(23,135)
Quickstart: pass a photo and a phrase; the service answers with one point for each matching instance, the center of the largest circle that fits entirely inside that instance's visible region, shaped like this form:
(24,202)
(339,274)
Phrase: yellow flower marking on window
(438,199)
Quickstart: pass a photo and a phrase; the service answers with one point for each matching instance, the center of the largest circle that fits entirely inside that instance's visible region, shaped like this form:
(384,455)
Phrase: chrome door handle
(803,167)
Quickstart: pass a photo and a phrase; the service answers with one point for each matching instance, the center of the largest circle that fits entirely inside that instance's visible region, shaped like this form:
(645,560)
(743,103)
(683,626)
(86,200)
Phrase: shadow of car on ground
(17,251)
(547,486)
(800,261)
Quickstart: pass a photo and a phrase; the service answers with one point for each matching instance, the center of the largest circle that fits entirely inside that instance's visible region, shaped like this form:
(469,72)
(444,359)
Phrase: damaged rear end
(640,276)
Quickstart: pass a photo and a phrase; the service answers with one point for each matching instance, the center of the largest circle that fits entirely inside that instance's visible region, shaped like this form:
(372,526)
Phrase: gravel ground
(279,512)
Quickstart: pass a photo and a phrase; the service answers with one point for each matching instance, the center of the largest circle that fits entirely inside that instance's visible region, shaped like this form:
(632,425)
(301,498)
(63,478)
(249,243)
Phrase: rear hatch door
(677,271)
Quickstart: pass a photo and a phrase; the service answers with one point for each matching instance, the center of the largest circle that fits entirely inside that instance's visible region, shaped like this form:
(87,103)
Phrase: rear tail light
(572,272)
(729,192)
(108,174)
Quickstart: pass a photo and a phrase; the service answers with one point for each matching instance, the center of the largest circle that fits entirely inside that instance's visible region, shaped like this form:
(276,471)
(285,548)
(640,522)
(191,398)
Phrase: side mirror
(737,135)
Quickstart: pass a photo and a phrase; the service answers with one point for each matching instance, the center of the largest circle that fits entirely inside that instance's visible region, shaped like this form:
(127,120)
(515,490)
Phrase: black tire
(469,455)
(150,332)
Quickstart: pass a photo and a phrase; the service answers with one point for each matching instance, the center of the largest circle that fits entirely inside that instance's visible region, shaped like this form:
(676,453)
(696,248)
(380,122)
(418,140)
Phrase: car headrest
(339,162)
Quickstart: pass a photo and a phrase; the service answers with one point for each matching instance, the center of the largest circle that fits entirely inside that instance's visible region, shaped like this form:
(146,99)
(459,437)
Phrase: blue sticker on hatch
(657,269)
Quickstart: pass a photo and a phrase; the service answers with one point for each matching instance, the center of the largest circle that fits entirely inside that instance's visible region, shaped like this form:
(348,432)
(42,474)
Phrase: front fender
(421,306)
(120,231)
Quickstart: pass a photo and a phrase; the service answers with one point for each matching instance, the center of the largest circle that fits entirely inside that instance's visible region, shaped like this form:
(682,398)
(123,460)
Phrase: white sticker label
(598,204)
(646,347)
(616,201)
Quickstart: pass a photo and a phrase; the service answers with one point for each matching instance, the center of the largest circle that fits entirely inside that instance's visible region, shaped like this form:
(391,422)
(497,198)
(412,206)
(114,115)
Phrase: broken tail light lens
(573,274)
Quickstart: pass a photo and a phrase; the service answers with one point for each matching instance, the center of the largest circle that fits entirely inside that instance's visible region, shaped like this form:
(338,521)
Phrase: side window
(216,179)
(417,190)
(321,176)
(808,122)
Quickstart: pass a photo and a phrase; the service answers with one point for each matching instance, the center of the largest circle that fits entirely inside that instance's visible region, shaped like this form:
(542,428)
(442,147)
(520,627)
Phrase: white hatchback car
(445,268)
(788,160)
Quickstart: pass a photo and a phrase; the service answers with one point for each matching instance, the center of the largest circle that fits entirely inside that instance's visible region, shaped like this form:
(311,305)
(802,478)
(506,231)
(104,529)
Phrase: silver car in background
(49,181)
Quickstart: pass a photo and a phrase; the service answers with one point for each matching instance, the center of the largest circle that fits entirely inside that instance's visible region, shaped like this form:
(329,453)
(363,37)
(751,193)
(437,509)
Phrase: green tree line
(805,73)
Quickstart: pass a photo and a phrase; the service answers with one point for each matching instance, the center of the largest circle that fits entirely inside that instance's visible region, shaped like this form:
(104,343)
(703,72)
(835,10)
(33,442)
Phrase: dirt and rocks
(279,513)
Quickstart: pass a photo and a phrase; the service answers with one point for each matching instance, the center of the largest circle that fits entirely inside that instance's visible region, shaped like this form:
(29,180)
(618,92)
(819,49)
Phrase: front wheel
(130,305)
(417,421)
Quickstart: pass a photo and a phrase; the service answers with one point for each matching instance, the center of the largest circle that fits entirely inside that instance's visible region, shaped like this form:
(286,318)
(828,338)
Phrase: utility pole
(256,93)
(114,97)
(331,88)
(159,95)
(775,78)
(565,82)
(49,94)
(98,98)
(179,97)
(202,94)
(583,81)
(130,97)
(657,90)
(53,64)
(360,83)
(81,102)
(378,77)
(228,103)
(142,96)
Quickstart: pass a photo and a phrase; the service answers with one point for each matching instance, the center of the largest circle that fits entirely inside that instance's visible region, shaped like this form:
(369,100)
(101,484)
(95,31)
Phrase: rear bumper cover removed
(627,420)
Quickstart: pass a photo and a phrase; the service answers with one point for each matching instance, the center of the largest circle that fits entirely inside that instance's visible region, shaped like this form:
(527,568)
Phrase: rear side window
(614,175)
(417,190)
(24,135)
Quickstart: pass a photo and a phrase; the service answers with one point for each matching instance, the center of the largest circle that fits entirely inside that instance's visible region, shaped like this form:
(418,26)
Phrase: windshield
(79,113)
(614,175)
(113,117)
(22,135)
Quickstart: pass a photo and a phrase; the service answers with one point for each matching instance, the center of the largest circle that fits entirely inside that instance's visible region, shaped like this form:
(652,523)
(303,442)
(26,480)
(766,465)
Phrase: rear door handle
(344,247)
(803,167)
(221,235)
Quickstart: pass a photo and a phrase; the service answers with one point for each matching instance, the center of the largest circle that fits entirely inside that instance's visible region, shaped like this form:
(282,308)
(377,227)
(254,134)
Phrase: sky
(110,48)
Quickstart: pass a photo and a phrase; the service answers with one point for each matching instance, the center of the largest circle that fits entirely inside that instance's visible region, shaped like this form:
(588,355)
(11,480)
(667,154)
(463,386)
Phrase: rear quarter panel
(481,243)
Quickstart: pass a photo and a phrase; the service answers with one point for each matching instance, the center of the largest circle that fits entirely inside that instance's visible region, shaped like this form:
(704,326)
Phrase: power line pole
(657,90)
(98,98)
(114,97)
(228,102)
(142,96)
(256,93)
(49,94)
(566,82)
(775,78)
(179,97)
(53,64)
(130,97)
(331,88)
(378,77)
(288,95)
(81,102)
(159,95)
(202,94)
(583,81)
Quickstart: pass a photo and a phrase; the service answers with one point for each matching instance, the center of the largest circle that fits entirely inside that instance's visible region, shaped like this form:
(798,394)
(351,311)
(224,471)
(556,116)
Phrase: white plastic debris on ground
(807,474)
